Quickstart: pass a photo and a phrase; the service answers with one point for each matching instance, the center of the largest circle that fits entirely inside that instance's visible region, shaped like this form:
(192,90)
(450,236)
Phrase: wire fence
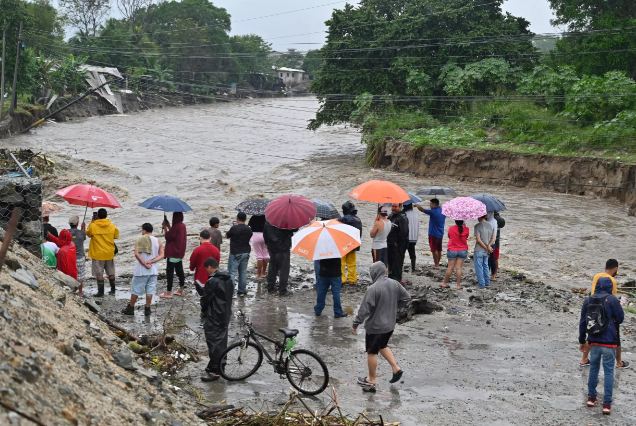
(25,193)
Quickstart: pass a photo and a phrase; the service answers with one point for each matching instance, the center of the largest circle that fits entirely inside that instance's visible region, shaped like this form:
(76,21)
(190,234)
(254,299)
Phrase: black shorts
(376,342)
(381,255)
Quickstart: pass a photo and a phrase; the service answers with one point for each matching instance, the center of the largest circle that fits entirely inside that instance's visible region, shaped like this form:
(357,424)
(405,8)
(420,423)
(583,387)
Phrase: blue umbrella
(165,203)
(325,210)
(492,204)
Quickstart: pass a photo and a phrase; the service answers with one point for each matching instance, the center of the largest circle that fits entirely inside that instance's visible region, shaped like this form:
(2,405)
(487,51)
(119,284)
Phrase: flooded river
(458,371)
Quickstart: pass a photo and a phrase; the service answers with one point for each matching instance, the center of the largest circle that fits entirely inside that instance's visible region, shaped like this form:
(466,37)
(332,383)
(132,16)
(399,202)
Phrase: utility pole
(4,45)
(14,96)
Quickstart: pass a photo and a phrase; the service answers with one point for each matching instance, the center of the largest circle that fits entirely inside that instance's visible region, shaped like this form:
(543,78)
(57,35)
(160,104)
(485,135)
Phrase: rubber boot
(112,287)
(100,290)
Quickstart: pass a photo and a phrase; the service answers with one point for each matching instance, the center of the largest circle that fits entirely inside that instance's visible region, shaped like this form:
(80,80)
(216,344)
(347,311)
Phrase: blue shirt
(436,223)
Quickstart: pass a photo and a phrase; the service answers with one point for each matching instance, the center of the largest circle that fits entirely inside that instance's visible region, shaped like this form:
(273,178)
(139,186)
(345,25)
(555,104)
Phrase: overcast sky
(294,29)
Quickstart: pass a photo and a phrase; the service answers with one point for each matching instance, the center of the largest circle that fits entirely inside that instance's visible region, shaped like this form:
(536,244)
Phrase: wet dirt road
(459,369)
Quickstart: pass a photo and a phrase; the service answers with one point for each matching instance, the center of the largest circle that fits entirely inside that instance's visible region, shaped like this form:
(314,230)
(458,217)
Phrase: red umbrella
(290,211)
(89,196)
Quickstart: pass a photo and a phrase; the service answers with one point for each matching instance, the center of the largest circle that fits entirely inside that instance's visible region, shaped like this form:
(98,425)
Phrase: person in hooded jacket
(602,345)
(397,241)
(350,217)
(216,307)
(66,256)
(101,250)
(176,244)
(378,311)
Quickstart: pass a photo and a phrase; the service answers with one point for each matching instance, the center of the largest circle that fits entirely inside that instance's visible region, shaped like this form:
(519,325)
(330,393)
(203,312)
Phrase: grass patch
(520,127)
(630,310)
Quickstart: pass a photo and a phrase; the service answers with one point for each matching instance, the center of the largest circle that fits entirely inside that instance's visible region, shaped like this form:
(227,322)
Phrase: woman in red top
(457,252)
(66,256)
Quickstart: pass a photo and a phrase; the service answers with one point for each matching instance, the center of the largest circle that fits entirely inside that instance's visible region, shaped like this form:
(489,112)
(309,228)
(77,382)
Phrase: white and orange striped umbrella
(325,240)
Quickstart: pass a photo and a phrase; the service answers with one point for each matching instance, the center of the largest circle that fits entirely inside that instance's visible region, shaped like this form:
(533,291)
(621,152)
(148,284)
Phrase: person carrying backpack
(600,318)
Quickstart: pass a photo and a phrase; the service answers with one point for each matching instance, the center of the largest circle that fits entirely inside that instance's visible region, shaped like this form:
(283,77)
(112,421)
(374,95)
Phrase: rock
(93,378)
(419,304)
(70,416)
(125,360)
(65,348)
(123,380)
(58,294)
(175,423)
(476,298)
(65,390)
(92,306)
(153,377)
(149,399)
(65,280)
(14,418)
(14,265)
(147,415)
(82,361)
(22,350)
(101,340)
(28,374)
(25,277)
(5,287)
(32,228)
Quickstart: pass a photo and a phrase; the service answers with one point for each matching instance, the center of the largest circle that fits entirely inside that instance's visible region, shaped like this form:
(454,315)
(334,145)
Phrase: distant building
(290,75)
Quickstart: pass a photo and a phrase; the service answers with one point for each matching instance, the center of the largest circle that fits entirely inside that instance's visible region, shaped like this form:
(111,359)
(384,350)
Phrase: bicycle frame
(253,334)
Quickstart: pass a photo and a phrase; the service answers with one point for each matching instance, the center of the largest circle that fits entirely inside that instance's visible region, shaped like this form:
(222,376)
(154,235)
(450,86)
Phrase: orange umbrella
(380,191)
(325,240)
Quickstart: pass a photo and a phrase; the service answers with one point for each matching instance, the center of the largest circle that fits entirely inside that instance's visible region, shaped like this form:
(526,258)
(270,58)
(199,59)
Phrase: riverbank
(606,179)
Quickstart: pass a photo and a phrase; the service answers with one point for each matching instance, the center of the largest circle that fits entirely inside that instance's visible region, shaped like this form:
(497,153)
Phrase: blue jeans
(609,360)
(323,287)
(238,262)
(481,268)
(317,270)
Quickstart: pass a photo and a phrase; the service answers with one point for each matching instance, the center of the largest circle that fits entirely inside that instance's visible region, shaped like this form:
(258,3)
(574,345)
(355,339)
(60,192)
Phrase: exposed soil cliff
(579,175)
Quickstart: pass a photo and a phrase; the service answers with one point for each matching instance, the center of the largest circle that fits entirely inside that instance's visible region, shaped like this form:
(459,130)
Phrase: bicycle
(304,369)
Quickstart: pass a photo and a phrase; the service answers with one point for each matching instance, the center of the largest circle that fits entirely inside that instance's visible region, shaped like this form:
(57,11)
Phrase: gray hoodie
(380,304)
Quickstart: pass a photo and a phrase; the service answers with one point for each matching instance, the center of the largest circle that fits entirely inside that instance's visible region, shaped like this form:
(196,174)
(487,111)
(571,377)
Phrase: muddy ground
(498,362)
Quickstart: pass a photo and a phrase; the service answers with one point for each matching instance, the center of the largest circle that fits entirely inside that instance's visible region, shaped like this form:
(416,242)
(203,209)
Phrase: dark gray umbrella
(436,190)
(492,203)
(253,206)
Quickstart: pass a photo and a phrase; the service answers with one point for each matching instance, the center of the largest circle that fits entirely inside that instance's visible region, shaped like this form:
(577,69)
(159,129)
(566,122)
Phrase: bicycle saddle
(288,333)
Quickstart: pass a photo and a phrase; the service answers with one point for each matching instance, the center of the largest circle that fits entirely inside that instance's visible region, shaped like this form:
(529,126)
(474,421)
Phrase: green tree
(492,76)
(377,46)
(47,22)
(615,44)
(251,55)
(313,62)
(291,59)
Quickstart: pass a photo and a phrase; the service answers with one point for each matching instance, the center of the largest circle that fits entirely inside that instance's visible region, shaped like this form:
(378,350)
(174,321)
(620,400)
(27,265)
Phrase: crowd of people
(393,234)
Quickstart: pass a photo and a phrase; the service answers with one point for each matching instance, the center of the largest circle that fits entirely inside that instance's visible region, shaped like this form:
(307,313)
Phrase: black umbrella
(436,190)
(254,206)
(492,203)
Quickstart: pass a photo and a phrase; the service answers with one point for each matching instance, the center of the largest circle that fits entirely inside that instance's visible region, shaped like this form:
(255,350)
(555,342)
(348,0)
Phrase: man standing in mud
(436,225)
(397,241)
(611,269)
(101,250)
(378,311)
(216,307)
(601,317)
(278,242)
(349,271)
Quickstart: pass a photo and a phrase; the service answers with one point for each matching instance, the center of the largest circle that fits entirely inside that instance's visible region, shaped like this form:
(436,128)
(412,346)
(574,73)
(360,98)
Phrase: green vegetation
(486,82)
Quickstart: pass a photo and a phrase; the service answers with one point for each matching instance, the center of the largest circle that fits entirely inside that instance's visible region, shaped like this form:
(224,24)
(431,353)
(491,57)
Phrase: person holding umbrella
(176,244)
(101,250)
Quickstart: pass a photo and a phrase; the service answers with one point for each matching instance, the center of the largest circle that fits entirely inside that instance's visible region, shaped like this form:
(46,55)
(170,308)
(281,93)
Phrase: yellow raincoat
(103,234)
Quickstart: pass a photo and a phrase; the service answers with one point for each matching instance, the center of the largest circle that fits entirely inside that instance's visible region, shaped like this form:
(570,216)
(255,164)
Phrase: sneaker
(625,365)
(344,315)
(318,314)
(587,364)
(201,325)
(130,310)
(396,376)
(242,294)
(147,310)
(591,401)
(607,409)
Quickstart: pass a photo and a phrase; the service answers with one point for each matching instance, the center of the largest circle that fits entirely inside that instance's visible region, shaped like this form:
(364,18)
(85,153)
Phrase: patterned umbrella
(49,208)
(464,208)
(290,211)
(325,240)
(325,210)
(253,206)
(436,190)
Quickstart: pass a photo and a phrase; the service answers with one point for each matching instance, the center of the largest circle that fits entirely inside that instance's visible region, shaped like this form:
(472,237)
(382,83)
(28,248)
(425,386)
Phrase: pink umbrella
(464,208)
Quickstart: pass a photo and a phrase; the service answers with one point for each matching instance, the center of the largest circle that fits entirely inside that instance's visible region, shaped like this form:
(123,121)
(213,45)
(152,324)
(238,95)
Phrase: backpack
(596,318)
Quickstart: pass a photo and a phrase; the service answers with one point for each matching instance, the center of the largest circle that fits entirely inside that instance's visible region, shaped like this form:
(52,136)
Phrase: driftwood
(418,305)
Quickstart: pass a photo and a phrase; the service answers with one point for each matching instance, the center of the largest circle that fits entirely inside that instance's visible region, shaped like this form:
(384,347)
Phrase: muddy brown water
(458,369)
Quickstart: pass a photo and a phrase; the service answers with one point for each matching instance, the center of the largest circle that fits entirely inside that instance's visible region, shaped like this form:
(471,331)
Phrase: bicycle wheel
(239,363)
(306,372)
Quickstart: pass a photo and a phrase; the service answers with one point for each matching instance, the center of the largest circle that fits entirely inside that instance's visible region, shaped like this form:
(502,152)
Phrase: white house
(290,75)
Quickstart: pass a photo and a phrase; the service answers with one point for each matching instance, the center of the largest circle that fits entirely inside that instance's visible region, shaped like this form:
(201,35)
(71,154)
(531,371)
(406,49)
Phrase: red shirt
(198,258)
(458,242)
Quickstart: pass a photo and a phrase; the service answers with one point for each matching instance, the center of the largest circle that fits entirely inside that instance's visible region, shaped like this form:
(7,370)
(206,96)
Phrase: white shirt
(414,225)
(141,270)
(51,245)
